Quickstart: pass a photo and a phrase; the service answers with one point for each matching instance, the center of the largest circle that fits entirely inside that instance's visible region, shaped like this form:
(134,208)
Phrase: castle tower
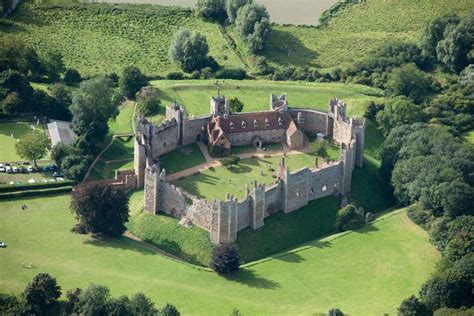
(139,160)
(224,220)
(219,106)
(348,161)
(177,112)
(279,103)
(257,211)
(152,189)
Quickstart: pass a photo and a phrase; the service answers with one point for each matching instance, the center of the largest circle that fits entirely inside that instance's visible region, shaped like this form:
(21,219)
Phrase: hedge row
(19,194)
(33,186)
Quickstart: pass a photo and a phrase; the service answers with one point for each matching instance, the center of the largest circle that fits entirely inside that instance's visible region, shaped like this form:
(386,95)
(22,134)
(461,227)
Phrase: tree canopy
(131,81)
(32,146)
(407,80)
(213,10)
(253,26)
(189,49)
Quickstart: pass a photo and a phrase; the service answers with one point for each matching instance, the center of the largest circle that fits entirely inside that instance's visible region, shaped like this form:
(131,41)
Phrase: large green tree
(41,292)
(131,81)
(93,105)
(253,26)
(100,209)
(225,259)
(434,32)
(398,111)
(32,146)
(213,10)
(233,6)
(408,81)
(189,49)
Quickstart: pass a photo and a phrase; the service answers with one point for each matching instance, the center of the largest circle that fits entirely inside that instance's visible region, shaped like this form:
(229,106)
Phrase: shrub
(225,259)
(230,161)
(413,307)
(420,216)
(72,77)
(347,218)
(189,50)
(175,76)
(236,106)
(231,73)
(169,310)
(335,312)
(148,101)
(101,208)
(372,110)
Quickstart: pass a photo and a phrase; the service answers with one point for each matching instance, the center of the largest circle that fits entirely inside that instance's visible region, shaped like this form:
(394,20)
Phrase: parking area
(20,173)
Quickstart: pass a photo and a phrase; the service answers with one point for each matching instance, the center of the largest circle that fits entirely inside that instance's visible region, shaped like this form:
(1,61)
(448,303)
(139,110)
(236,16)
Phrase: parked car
(45,169)
(31,181)
(2,169)
(59,179)
(7,164)
(2,244)
(8,169)
(57,174)
(1,165)
(26,163)
(15,169)
(30,169)
(22,169)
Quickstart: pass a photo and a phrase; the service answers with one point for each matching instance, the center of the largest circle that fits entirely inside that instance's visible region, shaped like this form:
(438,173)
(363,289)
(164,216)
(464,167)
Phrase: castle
(221,130)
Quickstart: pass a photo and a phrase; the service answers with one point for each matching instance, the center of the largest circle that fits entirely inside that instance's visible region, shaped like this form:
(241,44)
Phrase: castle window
(280,121)
(244,125)
(231,125)
(324,188)
(255,124)
(267,123)
(164,144)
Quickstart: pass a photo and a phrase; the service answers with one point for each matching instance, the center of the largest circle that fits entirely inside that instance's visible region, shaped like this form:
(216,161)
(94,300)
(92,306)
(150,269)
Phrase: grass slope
(102,38)
(119,156)
(356,31)
(195,95)
(367,272)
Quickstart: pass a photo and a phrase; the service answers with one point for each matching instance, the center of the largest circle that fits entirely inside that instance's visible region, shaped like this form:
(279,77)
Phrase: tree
(233,6)
(72,77)
(13,81)
(335,312)
(189,49)
(213,10)
(434,33)
(93,301)
(320,148)
(225,259)
(132,81)
(12,103)
(74,166)
(413,307)
(32,146)
(42,292)
(93,105)
(409,81)
(236,106)
(100,209)
(253,26)
(53,65)
(398,111)
(62,96)
(169,310)
(455,239)
(452,198)
(50,107)
(12,305)
(456,50)
(148,101)
(347,218)
(230,161)
(142,305)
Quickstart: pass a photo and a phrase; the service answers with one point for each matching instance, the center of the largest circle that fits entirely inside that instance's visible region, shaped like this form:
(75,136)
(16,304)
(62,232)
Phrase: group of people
(24,207)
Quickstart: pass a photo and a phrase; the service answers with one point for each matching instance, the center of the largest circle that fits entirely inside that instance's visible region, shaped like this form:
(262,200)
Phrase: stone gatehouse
(291,191)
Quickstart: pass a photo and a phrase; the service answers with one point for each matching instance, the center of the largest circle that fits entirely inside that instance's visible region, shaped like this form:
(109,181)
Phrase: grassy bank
(330,272)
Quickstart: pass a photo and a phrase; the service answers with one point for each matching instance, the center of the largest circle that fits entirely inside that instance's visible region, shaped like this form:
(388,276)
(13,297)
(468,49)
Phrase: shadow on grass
(122,243)
(251,279)
(366,229)
(292,257)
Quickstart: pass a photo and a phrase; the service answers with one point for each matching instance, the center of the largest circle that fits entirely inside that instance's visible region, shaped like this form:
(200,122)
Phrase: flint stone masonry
(291,191)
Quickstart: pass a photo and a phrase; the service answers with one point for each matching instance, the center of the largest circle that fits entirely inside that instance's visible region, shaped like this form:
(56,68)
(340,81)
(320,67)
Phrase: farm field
(195,95)
(101,38)
(332,270)
(356,31)
(16,129)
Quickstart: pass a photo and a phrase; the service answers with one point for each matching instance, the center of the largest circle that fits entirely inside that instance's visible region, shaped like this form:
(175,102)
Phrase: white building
(61,132)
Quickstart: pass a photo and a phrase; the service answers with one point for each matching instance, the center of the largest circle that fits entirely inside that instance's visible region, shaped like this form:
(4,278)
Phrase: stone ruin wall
(223,219)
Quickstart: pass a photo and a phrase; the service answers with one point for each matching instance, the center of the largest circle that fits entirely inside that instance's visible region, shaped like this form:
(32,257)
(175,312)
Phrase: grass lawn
(17,130)
(119,156)
(182,158)
(215,183)
(123,122)
(195,95)
(389,260)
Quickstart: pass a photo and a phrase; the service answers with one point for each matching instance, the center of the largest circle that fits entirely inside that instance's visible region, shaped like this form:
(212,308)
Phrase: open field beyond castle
(388,260)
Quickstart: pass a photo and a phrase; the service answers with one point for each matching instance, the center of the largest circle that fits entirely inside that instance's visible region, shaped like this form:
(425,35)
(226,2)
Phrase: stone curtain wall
(223,219)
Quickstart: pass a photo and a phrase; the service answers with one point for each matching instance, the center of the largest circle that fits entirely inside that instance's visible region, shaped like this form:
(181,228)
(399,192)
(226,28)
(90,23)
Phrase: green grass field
(101,38)
(17,130)
(367,272)
(195,95)
(182,158)
(122,124)
(357,31)
(217,182)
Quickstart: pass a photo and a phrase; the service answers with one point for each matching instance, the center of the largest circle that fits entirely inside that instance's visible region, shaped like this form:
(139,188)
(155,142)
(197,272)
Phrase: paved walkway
(214,162)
